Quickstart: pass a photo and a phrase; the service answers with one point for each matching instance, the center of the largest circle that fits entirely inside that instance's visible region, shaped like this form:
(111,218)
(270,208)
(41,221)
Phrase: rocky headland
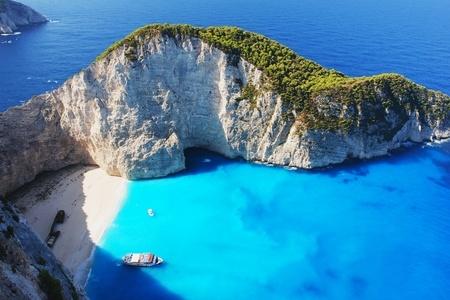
(14,15)
(166,88)
(28,269)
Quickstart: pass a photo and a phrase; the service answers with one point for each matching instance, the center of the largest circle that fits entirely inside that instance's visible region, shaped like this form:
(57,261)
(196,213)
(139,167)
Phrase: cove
(230,229)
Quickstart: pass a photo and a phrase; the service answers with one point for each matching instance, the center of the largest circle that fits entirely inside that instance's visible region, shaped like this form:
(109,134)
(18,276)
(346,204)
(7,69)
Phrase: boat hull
(142,260)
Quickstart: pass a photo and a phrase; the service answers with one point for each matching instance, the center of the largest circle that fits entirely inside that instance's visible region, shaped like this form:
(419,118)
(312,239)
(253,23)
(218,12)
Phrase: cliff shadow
(109,279)
(200,160)
(40,200)
(361,167)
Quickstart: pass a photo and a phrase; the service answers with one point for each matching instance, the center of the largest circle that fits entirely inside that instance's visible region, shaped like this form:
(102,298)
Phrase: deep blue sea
(227,229)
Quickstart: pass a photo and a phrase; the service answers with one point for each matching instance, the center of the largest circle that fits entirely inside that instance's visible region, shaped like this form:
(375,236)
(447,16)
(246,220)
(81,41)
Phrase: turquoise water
(229,229)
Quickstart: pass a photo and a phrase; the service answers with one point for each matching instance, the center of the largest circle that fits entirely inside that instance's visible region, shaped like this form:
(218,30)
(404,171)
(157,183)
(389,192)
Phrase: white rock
(14,14)
(135,119)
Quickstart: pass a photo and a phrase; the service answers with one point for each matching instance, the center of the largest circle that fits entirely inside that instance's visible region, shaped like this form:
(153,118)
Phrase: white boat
(150,212)
(142,260)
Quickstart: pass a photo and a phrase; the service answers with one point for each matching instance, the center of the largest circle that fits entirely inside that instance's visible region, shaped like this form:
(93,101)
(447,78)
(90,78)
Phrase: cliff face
(14,14)
(28,269)
(134,111)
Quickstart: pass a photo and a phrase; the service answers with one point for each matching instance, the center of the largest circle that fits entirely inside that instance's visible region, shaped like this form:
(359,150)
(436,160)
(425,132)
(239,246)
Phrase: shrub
(297,80)
(3,252)
(3,198)
(50,285)
(74,293)
(41,261)
(9,232)
(250,93)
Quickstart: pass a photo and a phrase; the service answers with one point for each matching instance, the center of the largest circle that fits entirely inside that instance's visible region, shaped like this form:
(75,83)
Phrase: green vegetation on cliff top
(297,80)
(50,285)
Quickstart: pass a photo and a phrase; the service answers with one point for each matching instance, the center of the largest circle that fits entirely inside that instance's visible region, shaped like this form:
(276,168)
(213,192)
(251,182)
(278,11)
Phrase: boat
(60,216)
(142,260)
(52,237)
(54,233)
(150,212)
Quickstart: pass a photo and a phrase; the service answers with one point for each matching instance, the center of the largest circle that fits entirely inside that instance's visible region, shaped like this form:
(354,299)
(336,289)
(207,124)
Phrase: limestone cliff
(167,88)
(14,14)
(28,269)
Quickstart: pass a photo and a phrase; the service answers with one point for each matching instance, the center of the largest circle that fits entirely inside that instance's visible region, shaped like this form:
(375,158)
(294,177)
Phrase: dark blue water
(228,229)
(411,37)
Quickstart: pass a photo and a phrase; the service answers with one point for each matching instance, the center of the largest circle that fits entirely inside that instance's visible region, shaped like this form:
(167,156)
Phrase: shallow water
(229,229)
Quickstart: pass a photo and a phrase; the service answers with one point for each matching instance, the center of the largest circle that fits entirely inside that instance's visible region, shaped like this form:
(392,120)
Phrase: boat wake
(8,34)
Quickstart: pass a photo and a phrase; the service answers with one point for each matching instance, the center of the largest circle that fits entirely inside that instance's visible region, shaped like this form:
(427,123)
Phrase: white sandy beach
(90,199)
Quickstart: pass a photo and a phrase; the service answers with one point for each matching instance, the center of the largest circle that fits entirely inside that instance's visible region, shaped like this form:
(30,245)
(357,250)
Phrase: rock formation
(14,14)
(28,269)
(167,88)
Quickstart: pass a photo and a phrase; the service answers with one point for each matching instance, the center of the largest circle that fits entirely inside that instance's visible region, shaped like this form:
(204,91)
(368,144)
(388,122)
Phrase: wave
(290,168)
(8,34)
(435,143)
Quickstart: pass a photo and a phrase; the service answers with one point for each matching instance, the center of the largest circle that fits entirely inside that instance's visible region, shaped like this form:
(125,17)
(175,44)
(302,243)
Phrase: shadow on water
(107,271)
(123,282)
(360,167)
(199,160)
(412,153)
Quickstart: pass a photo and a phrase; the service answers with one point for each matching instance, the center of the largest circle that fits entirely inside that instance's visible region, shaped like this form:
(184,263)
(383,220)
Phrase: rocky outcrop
(34,142)
(28,269)
(14,15)
(134,112)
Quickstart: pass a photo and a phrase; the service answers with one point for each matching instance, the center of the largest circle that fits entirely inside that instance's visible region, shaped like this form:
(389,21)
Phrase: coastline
(90,198)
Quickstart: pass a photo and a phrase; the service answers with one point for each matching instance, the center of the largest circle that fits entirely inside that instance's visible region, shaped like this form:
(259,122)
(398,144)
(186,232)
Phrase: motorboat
(150,212)
(52,237)
(142,260)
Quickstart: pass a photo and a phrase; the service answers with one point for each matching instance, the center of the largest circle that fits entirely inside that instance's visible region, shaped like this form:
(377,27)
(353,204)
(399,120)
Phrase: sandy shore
(90,199)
